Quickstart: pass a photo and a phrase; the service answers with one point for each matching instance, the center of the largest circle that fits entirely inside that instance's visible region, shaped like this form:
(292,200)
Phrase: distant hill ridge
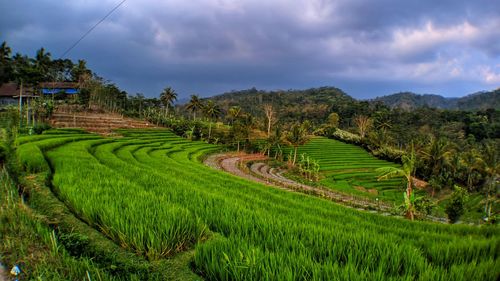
(331,95)
(476,101)
(310,101)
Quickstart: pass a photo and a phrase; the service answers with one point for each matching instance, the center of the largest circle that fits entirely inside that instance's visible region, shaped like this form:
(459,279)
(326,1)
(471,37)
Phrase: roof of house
(11,89)
(58,85)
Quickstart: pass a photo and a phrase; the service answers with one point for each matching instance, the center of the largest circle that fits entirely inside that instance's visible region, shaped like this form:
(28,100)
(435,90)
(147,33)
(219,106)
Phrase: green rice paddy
(149,193)
(351,169)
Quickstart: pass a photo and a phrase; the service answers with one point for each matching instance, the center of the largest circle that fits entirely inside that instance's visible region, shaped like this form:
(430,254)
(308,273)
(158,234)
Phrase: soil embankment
(102,123)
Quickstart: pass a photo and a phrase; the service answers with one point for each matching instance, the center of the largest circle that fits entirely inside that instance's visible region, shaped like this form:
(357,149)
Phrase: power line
(92,28)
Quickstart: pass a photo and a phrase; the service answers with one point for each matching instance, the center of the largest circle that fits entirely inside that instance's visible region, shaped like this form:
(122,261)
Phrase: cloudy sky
(365,47)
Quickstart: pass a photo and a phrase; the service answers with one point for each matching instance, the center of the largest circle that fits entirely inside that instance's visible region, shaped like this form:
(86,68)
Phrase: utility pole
(21,104)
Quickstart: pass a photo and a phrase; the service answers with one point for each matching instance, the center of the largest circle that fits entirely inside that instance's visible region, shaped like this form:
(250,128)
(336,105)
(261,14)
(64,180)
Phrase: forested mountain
(408,100)
(298,105)
(316,104)
(481,100)
(476,101)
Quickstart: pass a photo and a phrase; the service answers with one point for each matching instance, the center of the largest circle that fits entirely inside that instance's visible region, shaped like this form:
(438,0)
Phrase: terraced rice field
(149,193)
(351,169)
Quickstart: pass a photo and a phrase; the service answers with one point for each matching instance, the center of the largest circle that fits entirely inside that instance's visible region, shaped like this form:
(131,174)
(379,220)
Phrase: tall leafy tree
(80,73)
(194,105)
(167,97)
(274,142)
(43,63)
(240,131)
(333,120)
(23,70)
(436,155)
(471,162)
(138,102)
(60,70)
(5,52)
(212,112)
(5,63)
(364,123)
(233,113)
(297,136)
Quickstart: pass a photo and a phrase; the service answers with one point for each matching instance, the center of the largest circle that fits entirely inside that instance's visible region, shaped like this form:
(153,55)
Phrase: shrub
(456,206)
(346,136)
(40,128)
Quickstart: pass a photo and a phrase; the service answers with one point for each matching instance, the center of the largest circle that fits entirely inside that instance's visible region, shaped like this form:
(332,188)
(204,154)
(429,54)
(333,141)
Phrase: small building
(9,94)
(51,88)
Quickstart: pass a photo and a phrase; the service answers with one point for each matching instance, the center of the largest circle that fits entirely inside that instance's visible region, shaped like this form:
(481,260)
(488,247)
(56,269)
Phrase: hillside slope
(316,103)
(481,100)
(293,105)
(476,101)
(103,123)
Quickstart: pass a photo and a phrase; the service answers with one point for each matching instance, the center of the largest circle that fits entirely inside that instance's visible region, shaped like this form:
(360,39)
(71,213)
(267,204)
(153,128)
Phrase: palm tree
(5,52)
(167,97)
(42,62)
(240,131)
(194,105)
(139,102)
(274,141)
(453,165)
(437,154)
(407,171)
(5,65)
(80,73)
(233,113)
(297,136)
(472,162)
(22,67)
(212,111)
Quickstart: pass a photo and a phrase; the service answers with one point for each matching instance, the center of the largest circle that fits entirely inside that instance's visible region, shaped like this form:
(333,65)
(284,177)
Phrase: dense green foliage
(148,193)
(409,101)
(95,92)
(456,205)
(295,105)
(451,144)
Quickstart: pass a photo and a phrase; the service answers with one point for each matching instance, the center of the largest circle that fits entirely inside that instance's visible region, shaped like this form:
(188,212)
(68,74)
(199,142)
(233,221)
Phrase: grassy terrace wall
(351,169)
(150,195)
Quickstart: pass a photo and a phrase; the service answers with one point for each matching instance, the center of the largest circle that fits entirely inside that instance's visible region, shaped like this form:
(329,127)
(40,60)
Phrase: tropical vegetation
(240,230)
(140,205)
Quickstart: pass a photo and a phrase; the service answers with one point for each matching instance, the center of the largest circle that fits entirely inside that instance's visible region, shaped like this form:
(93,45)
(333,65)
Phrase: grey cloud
(213,46)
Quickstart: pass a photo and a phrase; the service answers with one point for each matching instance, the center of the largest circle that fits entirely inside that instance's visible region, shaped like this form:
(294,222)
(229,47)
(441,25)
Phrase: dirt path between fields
(259,171)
